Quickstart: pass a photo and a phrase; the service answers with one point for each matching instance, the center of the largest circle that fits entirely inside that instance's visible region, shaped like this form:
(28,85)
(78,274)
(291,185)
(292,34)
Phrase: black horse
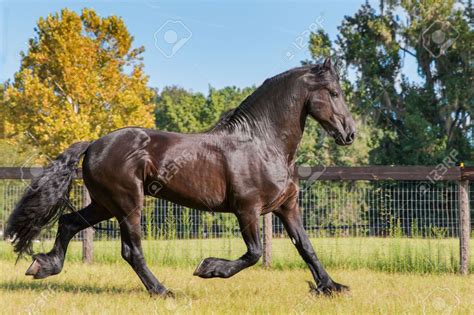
(244,165)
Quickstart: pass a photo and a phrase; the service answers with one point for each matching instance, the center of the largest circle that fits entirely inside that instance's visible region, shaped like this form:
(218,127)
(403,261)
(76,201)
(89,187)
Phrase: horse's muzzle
(348,139)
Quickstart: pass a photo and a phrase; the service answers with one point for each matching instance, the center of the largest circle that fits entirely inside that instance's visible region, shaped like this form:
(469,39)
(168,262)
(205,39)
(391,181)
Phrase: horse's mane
(253,107)
(224,118)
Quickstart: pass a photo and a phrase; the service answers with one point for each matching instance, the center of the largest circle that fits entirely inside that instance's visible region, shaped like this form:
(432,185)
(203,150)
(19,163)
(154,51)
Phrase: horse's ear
(327,63)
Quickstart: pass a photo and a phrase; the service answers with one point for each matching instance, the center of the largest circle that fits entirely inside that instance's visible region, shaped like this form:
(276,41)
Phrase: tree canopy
(180,110)
(72,84)
(412,122)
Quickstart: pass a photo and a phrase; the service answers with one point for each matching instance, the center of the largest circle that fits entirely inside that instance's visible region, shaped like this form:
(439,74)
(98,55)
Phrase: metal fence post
(465,226)
(87,234)
(267,240)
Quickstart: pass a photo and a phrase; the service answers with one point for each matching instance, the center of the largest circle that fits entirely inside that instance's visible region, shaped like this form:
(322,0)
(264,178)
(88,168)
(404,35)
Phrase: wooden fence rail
(373,173)
(434,173)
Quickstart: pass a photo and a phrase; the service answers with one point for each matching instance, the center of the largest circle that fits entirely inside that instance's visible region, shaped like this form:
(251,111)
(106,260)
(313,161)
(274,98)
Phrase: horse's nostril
(350,137)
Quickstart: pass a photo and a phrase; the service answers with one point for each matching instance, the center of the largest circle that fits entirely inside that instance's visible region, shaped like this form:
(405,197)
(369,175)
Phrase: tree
(72,83)
(180,110)
(2,112)
(411,122)
(220,101)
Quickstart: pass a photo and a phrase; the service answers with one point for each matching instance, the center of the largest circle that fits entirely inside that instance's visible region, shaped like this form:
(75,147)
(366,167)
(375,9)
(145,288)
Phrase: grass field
(391,275)
(380,254)
(115,289)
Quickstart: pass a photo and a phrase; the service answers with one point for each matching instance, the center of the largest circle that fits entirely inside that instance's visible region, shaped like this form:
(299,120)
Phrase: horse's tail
(44,200)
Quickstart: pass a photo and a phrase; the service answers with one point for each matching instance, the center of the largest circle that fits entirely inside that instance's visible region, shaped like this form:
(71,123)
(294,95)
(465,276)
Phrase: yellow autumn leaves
(79,80)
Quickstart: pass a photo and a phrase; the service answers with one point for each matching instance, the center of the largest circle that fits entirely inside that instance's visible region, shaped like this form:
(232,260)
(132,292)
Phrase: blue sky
(218,43)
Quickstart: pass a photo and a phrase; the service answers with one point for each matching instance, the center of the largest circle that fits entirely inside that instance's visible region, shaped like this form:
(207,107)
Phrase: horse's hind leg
(130,231)
(45,265)
(290,216)
(216,267)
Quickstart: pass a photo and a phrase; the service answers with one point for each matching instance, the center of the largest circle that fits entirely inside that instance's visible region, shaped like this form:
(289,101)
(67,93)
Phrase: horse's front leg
(290,215)
(216,267)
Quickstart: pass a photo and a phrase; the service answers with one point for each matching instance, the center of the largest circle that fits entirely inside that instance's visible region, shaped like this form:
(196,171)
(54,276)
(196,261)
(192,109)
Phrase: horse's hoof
(162,293)
(213,268)
(328,290)
(199,268)
(342,288)
(33,269)
(44,266)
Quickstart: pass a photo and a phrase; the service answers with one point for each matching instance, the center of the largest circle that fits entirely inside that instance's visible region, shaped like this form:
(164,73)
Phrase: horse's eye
(333,94)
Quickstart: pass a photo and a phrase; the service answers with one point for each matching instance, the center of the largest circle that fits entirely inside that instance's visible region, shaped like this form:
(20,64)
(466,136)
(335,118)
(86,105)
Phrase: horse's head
(326,103)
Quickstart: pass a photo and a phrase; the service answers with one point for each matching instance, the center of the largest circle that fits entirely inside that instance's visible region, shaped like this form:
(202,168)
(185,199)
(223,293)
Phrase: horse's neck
(274,115)
(283,134)
(289,137)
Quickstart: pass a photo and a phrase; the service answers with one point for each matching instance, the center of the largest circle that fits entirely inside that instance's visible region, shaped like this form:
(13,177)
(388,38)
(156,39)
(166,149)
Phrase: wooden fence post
(87,234)
(267,240)
(465,226)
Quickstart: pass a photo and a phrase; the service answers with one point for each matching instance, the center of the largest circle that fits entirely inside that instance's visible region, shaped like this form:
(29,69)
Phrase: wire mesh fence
(388,225)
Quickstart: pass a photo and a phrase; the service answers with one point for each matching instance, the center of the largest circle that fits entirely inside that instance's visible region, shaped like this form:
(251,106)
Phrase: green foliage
(407,122)
(319,45)
(220,101)
(180,110)
(170,225)
(186,223)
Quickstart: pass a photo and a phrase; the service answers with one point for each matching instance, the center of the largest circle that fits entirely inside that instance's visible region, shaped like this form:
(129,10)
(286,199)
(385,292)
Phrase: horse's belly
(198,186)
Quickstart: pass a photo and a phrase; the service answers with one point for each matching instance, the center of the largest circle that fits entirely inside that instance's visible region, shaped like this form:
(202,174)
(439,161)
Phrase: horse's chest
(262,184)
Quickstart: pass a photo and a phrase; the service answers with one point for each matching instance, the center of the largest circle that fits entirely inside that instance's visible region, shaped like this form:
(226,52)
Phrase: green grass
(381,254)
(115,289)
(386,276)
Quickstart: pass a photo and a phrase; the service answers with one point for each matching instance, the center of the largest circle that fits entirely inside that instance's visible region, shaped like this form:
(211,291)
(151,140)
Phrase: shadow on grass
(64,287)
